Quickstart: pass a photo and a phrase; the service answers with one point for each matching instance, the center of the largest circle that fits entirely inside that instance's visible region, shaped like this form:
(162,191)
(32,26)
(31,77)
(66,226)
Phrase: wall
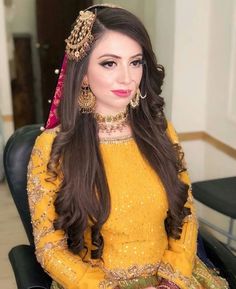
(203,47)
(25,22)
(204,43)
(22,20)
(222,69)
(5,90)
(203,84)
(135,6)
(190,64)
(164,45)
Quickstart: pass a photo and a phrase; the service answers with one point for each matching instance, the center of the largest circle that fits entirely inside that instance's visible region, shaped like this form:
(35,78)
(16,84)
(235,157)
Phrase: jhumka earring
(86,100)
(135,101)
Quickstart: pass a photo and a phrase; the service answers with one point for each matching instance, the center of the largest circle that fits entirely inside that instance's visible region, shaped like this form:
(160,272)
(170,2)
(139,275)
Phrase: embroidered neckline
(103,140)
(115,140)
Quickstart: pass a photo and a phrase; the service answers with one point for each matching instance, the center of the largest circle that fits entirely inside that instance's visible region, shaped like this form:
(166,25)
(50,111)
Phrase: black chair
(219,195)
(27,270)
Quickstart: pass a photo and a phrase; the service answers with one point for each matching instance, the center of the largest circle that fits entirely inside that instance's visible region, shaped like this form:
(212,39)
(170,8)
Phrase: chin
(123,103)
(123,107)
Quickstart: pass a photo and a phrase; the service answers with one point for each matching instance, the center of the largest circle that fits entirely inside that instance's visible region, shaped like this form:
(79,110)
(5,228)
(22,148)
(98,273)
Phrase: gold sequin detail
(166,270)
(206,278)
(116,276)
(132,234)
(51,246)
(117,140)
(56,285)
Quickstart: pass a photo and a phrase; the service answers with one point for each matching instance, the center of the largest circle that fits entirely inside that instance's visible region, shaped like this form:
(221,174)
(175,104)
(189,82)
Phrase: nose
(125,76)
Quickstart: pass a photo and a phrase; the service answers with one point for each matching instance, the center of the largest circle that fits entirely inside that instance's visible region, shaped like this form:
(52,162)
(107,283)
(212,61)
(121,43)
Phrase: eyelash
(138,61)
(109,64)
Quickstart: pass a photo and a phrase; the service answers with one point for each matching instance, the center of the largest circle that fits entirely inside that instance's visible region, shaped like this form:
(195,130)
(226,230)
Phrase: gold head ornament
(81,38)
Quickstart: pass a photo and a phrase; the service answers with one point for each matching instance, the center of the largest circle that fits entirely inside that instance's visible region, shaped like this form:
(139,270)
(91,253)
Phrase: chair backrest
(16,157)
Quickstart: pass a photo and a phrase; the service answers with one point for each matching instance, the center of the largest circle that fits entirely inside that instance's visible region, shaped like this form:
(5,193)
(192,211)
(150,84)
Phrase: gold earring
(86,100)
(135,101)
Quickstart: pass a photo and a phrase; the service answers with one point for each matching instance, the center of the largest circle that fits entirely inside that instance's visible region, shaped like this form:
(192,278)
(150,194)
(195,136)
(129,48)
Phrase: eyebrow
(117,56)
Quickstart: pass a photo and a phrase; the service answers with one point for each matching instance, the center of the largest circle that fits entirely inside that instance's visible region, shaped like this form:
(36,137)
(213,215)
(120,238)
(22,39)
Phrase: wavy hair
(84,198)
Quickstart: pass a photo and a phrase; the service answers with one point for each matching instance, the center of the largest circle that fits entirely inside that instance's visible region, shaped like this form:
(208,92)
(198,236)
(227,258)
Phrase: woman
(110,200)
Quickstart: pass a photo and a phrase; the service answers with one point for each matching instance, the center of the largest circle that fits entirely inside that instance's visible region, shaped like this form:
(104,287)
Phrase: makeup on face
(122,92)
(114,73)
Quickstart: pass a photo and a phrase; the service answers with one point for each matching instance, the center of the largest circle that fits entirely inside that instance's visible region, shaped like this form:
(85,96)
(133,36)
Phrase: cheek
(98,84)
(99,81)
(138,76)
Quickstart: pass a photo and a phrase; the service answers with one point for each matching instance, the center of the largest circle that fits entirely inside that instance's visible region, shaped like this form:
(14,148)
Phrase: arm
(178,259)
(51,245)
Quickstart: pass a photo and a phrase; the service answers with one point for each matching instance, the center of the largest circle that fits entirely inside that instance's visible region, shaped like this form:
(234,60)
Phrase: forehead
(113,42)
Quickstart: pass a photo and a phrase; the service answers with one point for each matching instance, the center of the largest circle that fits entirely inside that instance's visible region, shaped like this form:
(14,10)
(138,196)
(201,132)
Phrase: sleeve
(52,252)
(178,259)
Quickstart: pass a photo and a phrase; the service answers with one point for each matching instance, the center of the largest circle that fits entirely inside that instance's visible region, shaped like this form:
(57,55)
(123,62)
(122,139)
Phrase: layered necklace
(112,123)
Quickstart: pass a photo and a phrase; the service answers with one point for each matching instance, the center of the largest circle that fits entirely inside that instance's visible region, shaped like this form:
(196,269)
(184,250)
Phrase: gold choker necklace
(112,123)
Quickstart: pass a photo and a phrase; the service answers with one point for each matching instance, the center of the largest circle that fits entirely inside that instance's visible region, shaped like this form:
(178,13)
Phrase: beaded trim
(103,140)
(116,140)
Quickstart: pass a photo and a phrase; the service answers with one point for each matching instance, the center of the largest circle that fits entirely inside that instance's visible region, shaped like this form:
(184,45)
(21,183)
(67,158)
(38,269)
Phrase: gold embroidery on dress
(60,266)
(42,223)
(190,203)
(167,270)
(45,256)
(56,285)
(121,139)
(49,246)
(114,277)
(48,250)
(34,187)
(204,277)
(42,233)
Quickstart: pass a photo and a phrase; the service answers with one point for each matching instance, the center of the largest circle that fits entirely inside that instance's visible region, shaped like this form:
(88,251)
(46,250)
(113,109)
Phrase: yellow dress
(135,240)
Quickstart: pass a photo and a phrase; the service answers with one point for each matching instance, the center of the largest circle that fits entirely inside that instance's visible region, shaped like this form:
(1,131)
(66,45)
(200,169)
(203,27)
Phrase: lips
(122,92)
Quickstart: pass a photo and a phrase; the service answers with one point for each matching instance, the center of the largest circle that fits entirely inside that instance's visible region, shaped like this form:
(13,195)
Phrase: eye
(137,63)
(108,64)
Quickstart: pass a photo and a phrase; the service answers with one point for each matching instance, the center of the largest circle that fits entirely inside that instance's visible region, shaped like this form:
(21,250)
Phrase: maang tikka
(77,46)
(80,39)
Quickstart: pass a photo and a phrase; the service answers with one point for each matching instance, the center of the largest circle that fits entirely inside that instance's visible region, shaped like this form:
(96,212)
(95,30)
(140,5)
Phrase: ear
(85,80)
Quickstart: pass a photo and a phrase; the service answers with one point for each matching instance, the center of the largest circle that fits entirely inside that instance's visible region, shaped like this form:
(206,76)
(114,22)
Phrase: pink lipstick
(122,92)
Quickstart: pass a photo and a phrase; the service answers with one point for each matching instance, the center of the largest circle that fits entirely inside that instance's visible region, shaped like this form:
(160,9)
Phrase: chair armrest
(221,256)
(28,272)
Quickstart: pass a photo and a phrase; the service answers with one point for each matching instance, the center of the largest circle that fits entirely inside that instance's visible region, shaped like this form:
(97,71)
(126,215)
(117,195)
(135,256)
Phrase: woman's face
(114,71)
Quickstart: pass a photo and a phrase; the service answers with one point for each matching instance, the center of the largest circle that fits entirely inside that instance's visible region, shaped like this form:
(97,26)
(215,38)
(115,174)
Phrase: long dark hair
(84,193)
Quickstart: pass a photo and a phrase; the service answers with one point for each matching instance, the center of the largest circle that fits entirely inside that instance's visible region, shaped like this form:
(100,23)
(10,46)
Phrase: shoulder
(171,132)
(46,138)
